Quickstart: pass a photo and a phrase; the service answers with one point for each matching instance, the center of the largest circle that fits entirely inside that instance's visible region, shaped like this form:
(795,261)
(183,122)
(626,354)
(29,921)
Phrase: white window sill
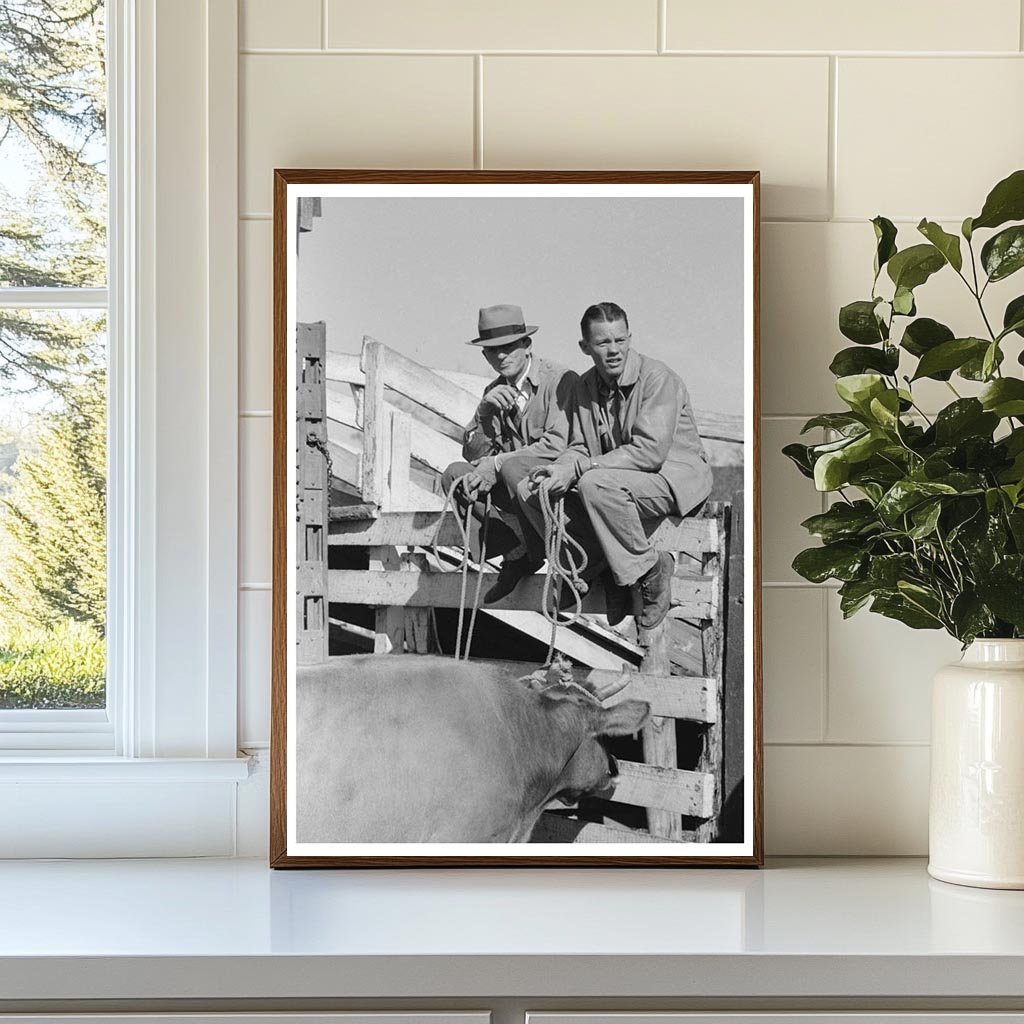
(75,766)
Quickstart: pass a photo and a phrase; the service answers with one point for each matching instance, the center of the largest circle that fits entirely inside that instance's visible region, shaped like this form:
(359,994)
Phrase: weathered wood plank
(389,621)
(554,828)
(398,462)
(692,598)
(671,789)
(373,481)
(422,384)
(418,528)
(659,734)
(429,447)
(712,758)
(311,499)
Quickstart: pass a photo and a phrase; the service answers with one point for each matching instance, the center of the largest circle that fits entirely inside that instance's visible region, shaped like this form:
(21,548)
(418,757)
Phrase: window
(53,370)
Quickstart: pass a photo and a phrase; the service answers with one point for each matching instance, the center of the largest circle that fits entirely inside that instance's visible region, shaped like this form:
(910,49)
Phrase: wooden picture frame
(388,447)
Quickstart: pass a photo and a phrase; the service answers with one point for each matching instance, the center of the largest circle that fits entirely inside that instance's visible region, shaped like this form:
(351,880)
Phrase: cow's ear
(622,719)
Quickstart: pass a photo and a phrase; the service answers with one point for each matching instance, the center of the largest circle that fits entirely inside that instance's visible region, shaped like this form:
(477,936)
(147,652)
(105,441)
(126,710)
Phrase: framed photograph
(516,614)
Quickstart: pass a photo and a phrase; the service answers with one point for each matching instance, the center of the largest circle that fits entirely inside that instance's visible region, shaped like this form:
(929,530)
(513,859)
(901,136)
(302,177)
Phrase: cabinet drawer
(360,1017)
(788,1017)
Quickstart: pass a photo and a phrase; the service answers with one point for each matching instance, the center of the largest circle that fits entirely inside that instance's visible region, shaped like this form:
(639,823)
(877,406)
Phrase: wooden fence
(387,427)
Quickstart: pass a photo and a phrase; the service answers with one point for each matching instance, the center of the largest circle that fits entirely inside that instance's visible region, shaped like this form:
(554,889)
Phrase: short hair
(604,312)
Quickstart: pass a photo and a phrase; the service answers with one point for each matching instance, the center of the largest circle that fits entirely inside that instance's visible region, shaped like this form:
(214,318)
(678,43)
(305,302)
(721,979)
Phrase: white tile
(808,272)
(787,499)
(254,624)
(793,635)
(846,801)
(471,25)
(255,509)
(868,25)
(961,131)
(693,113)
(351,111)
(880,676)
(255,316)
(277,25)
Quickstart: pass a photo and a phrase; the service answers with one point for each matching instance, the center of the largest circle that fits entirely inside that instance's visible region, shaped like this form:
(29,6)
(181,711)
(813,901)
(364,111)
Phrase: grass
(60,667)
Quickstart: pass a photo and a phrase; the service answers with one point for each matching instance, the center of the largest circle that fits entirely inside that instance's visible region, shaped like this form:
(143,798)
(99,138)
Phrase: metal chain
(321,446)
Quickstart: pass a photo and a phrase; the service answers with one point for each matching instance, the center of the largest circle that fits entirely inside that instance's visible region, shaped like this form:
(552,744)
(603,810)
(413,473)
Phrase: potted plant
(926,524)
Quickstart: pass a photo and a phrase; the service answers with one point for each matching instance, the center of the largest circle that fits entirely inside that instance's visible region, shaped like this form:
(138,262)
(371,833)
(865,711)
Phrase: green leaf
(1013,317)
(1005,202)
(899,608)
(843,521)
(885,409)
(858,389)
(971,617)
(831,471)
(966,417)
(925,518)
(949,355)
(857,321)
(840,561)
(923,335)
(854,594)
(974,368)
(947,244)
(965,229)
(912,267)
(1005,596)
(799,455)
(1003,254)
(833,421)
(904,495)
(903,302)
(887,570)
(1004,397)
(850,361)
(885,237)
(991,360)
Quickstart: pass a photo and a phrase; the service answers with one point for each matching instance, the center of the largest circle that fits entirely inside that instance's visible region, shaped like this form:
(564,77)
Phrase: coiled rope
(563,567)
(463,523)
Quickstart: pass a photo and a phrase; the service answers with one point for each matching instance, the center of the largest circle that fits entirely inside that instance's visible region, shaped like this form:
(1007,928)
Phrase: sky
(413,273)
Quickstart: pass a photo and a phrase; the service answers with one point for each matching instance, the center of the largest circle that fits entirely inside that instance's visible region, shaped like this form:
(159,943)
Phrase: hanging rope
(464,527)
(563,567)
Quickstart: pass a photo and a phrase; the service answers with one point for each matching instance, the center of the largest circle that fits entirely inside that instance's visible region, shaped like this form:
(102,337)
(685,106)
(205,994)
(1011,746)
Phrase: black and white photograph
(515,561)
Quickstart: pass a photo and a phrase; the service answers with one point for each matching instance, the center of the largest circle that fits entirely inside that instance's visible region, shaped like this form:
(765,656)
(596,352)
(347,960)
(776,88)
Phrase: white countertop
(235,929)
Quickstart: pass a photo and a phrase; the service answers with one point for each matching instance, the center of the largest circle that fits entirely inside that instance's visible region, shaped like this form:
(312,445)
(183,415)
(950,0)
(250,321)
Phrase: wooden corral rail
(392,426)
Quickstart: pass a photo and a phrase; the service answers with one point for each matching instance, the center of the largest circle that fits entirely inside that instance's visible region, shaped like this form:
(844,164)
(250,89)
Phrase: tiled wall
(906,109)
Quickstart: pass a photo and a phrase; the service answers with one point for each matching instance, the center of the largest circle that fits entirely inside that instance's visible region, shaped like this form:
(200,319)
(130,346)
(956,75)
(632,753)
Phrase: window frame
(172,462)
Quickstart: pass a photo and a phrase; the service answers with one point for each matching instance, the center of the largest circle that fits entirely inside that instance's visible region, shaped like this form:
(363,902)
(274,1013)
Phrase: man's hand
(556,478)
(500,398)
(485,473)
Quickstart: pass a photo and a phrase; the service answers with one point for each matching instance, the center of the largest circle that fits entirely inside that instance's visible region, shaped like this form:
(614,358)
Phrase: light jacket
(544,426)
(658,431)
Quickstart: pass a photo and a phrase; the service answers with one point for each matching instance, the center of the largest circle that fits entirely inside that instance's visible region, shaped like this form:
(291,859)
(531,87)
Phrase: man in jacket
(521,423)
(634,458)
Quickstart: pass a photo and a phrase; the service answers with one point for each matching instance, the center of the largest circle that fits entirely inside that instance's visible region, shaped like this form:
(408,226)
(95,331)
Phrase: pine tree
(52,121)
(53,520)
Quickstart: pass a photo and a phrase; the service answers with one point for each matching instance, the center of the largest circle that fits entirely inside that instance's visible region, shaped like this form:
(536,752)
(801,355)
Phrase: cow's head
(591,770)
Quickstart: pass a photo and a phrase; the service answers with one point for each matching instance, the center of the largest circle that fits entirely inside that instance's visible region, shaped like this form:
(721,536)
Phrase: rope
(558,545)
(463,524)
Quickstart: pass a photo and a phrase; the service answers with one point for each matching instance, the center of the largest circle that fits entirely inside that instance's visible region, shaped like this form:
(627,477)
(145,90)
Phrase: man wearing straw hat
(634,458)
(522,422)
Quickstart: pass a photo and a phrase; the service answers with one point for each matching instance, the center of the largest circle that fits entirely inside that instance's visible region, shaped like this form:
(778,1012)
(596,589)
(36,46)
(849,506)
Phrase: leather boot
(656,591)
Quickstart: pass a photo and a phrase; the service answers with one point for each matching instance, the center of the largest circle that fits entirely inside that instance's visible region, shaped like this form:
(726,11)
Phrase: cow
(397,748)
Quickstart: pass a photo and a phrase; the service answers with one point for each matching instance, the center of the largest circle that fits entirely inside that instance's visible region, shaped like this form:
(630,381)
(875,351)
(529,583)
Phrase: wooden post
(375,424)
(399,454)
(712,758)
(659,735)
(312,485)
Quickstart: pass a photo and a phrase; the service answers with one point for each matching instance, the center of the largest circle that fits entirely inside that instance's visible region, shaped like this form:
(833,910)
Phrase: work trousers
(507,532)
(605,514)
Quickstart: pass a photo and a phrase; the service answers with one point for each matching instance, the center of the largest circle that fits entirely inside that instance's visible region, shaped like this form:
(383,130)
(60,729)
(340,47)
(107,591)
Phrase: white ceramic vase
(976,815)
